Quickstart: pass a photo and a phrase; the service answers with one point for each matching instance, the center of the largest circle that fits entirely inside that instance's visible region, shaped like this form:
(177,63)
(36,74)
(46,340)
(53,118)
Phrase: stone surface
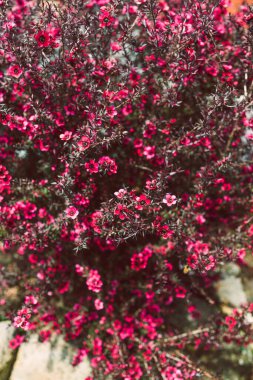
(232,269)
(7,356)
(248,286)
(230,291)
(47,361)
(6,331)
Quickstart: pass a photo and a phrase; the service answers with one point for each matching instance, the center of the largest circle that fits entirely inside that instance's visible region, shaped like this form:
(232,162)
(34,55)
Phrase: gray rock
(248,286)
(232,269)
(7,355)
(230,291)
(47,361)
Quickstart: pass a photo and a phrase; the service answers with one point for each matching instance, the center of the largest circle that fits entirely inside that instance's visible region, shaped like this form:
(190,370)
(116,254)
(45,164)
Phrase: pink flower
(170,199)
(111,111)
(64,288)
(83,143)
(97,346)
(209,262)
(108,165)
(151,185)
(166,232)
(200,219)
(250,230)
(212,70)
(44,335)
(99,305)
(70,109)
(16,342)
(66,136)
(21,320)
(15,71)
(71,212)
(31,300)
(201,248)
(241,254)
(149,152)
(115,46)
(121,211)
(94,282)
(120,194)
(79,269)
(192,261)
(140,260)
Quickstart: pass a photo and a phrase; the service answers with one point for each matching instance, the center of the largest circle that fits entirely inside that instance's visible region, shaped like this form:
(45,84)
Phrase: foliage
(126,178)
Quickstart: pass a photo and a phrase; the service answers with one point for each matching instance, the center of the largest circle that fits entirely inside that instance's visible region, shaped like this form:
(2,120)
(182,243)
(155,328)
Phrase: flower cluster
(94,282)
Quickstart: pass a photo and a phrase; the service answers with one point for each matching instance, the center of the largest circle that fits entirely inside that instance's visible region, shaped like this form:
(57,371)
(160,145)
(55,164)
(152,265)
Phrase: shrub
(126,178)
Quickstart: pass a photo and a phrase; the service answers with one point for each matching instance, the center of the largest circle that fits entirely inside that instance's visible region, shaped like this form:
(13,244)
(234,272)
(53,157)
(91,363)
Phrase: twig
(144,168)
(188,334)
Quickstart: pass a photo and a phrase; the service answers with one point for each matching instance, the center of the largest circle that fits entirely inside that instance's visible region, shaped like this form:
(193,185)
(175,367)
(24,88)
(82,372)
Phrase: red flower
(180,292)
(15,71)
(192,261)
(121,211)
(83,143)
(140,260)
(71,212)
(105,19)
(108,164)
(16,342)
(231,322)
(91,166)
(43,39)
(64,287)
(142,201)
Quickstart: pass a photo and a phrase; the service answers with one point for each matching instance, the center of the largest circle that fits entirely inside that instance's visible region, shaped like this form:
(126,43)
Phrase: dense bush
(125,178)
